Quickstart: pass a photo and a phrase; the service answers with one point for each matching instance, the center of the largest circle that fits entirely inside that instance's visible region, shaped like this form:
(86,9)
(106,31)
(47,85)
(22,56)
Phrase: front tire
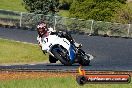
(60,57)
(52,59)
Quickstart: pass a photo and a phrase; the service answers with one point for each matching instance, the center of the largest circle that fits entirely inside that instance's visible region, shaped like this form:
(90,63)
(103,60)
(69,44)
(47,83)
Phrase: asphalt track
(112,54)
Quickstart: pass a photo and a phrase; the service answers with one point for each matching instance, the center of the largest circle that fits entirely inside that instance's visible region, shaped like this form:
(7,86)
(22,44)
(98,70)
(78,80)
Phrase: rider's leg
(69,37)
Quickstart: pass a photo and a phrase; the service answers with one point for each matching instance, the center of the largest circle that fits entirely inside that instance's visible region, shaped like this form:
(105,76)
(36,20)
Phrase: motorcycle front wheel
(63,59)
(52,59)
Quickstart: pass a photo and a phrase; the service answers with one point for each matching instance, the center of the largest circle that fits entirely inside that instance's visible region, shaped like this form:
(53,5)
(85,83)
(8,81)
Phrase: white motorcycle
(61,49)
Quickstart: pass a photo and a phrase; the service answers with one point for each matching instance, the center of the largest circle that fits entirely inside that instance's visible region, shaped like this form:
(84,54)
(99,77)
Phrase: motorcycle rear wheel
(84,62)
(84,58)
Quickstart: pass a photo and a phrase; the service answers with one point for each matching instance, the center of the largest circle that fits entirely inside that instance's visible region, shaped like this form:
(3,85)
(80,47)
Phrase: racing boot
(78,45)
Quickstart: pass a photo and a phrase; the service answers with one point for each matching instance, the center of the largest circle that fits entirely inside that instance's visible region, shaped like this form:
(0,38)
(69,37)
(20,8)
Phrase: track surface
(110,53)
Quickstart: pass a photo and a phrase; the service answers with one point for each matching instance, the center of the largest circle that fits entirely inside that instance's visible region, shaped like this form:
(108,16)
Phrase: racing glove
(44,51)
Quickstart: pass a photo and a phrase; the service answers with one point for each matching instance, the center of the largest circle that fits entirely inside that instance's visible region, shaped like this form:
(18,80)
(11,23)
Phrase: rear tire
(84,62)
(84,58)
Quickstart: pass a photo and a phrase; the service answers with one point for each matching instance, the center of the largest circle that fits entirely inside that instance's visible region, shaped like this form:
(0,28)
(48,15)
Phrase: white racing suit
(61,34)
(39,39)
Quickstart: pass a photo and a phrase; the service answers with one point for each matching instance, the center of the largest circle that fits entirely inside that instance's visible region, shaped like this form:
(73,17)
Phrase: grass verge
(16,52)
(57,82)
(15,5)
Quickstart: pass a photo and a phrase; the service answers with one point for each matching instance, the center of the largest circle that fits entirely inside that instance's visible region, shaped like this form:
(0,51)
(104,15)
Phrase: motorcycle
(61,49)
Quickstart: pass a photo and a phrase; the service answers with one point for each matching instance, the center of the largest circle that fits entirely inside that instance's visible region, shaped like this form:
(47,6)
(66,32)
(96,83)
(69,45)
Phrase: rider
(44,31)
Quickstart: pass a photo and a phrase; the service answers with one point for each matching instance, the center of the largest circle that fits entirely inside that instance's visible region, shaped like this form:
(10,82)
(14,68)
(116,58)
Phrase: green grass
(130,4)
(16,52)
(64,13)
(9,16)
(69,82)
(15,5)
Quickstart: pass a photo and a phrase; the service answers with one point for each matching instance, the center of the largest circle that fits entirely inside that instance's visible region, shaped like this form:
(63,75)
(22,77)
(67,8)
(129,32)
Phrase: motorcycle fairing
(72,53)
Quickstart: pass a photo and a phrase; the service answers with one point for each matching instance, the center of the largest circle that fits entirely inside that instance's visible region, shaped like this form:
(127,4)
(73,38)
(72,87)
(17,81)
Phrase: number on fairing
(47,39)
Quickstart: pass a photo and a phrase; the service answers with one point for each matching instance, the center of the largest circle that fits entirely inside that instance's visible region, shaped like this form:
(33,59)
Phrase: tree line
(99,10)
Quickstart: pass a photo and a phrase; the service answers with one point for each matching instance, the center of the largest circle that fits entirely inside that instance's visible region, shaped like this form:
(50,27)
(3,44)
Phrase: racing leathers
(51,31)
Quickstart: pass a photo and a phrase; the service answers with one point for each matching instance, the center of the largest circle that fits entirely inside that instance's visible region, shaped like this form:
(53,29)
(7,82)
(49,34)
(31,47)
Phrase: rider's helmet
(42,28)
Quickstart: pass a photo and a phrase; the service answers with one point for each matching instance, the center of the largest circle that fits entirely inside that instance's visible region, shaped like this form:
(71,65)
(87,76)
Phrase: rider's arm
(50,30)
(39,41)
